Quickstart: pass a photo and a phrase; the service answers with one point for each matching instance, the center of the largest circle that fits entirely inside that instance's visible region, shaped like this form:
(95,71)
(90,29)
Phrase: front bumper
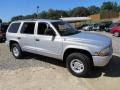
(101,61)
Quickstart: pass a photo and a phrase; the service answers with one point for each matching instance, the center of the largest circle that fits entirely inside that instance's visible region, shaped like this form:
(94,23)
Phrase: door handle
(19,38)
(37,39)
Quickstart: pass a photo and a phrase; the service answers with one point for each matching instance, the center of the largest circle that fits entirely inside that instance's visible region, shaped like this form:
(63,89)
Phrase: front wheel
(78,64)
(16,51)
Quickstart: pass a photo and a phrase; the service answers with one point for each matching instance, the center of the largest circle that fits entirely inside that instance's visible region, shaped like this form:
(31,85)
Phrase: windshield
(64,28)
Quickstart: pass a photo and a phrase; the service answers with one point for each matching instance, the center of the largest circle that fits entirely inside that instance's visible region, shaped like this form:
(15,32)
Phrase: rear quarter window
(14,27)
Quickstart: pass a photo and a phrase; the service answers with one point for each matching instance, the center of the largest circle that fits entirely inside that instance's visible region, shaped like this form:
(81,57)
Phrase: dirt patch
(40,79)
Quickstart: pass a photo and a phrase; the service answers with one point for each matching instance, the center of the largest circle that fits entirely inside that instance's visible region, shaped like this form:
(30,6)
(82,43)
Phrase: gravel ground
(36,72)
(8,62)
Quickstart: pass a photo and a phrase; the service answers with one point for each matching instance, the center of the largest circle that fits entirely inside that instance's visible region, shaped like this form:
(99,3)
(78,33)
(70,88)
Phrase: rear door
(26,37)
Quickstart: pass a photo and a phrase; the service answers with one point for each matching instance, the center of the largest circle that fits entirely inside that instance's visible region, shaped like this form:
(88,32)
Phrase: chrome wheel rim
(77,66)
(15,51)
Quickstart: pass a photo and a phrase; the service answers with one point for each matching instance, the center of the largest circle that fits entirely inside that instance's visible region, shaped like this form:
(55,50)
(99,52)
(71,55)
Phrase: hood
(91,38)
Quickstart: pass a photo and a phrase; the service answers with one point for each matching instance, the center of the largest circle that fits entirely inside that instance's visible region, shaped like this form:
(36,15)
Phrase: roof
(73,19)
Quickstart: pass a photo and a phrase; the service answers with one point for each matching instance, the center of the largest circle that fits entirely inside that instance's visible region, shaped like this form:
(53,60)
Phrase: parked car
(115,31)
(87,27)
(112,25)
(102,26)
(105,25)
(3,32)
(96,27)
(82,26)
(57,39)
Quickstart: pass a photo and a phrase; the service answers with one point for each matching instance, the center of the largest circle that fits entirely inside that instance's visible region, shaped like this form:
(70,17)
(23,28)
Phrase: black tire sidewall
(83,58)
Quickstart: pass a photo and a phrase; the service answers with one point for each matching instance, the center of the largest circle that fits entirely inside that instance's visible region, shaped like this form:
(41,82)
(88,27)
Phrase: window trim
(44,34)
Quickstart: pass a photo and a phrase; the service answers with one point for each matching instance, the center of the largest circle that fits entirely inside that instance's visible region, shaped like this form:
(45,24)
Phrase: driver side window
(45,29)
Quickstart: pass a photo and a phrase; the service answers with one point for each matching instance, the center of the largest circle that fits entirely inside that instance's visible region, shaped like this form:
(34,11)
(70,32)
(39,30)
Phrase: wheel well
(71,50)
(12,42)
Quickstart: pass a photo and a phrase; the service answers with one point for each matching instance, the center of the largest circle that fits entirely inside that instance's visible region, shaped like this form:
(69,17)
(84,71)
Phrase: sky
(10,8)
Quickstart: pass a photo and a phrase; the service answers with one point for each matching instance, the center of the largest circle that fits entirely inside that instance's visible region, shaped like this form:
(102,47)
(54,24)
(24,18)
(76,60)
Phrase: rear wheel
(116,34)
(16,51)
(78,64)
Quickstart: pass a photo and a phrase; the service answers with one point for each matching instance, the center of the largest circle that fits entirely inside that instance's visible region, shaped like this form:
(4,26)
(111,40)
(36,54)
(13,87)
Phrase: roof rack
(27,19)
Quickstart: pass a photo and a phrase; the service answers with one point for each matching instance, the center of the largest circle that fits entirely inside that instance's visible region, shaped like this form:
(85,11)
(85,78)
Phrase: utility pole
(37,11)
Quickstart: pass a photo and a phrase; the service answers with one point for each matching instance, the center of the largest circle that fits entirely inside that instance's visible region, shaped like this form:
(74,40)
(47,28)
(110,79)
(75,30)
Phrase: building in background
(113,16)
(77,21)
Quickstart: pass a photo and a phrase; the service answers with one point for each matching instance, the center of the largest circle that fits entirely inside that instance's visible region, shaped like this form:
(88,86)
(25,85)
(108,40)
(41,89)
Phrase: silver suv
(57,39)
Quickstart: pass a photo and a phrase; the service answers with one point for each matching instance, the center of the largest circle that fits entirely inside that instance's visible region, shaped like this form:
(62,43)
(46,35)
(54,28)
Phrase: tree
(43,15)
(79,12)
(93,10)
(20,17)
(52,14)
(75,12)
(56,14)
(119,8)
(110,7)
(62,13)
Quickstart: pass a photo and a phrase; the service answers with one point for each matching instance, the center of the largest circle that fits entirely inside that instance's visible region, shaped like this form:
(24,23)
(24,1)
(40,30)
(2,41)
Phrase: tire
(16,51)
(116,34)
(77,59)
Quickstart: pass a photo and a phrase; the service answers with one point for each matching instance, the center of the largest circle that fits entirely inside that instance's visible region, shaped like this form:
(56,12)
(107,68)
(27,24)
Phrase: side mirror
(53,33)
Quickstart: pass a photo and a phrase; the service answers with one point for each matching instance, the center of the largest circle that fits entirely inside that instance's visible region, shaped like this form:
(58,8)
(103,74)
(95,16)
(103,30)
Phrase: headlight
(104,52)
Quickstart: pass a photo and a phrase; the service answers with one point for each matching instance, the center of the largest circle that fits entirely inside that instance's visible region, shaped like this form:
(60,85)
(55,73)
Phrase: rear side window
(14,27)
(28,28)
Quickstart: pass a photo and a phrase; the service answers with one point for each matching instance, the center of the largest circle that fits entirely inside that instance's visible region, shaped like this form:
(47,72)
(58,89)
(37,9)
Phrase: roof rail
(27,19)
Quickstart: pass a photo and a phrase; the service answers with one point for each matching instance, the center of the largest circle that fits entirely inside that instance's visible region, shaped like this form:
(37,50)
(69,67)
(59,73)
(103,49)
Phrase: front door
(47,42)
